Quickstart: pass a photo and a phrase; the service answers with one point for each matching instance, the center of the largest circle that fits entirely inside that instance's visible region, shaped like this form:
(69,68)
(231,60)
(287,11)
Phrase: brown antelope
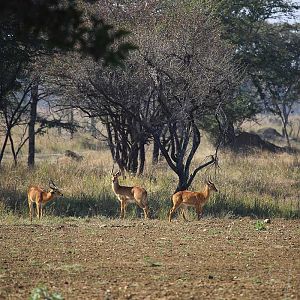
(40,197)
(129,194)
(195,199)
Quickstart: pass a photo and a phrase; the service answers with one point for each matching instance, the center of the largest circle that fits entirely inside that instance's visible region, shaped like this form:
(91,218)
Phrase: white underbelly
(187,204)
(128,200)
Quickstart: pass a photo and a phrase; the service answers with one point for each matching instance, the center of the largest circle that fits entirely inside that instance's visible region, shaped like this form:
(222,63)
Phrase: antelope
(195,199)
(129,194)
(40,197)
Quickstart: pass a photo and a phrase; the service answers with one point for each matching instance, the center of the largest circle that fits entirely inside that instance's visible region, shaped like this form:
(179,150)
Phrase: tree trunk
(31,125)
(13,151)
(110,140)
(286,135)
(133,158)
(285,121)
(182,182)
(230,135)
(142,158)
(4,146)
(93,127)
(71,120)
(155,153)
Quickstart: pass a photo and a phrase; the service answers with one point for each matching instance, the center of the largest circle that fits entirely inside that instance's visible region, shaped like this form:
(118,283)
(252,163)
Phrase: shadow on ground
(107,205)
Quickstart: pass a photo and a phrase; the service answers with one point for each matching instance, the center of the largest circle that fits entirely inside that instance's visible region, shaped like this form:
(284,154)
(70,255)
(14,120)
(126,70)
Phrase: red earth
(135,259)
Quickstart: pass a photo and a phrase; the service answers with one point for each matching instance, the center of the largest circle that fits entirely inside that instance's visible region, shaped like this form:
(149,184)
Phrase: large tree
(63,25)
(277,72)
(182,73)
(32,29)
(246,25)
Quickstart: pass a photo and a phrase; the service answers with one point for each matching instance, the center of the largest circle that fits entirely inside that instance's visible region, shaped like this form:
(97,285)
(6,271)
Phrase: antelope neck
(115,185)
(206,191)
(48,197)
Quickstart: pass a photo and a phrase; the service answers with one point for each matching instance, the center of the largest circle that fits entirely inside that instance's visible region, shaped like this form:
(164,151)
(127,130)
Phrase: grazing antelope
(188,198)
(129,194)
(39,196)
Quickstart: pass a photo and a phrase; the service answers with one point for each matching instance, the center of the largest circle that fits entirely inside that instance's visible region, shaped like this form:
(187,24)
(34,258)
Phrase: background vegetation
(162,89)
(258,184)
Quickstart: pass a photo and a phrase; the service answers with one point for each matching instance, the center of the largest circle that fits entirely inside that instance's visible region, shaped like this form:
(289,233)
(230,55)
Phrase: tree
(13,110)
(182,73)
(193,77)
(277,72)
(63,25)
(246,26)
(99,86)
(20,112)
(242,20)
(30,29)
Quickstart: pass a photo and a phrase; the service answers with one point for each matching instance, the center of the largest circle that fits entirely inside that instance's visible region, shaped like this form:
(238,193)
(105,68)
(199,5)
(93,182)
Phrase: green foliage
(260,225)
(242,19)
(52,24)
(42,293)
(242,107)
(269,52)
(276,65)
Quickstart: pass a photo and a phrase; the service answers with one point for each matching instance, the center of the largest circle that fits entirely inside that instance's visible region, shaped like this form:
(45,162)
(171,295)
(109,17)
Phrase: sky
(296,19)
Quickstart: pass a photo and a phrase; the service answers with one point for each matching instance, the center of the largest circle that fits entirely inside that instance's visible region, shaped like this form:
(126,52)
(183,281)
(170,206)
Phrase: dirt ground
(136,259)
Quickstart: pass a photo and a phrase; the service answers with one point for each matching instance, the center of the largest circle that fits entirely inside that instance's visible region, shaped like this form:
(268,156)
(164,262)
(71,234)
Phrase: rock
(73,155)
(269,133)
(247,142)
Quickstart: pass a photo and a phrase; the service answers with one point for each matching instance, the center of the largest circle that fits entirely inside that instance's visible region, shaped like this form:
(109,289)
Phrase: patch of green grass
(70,268)
(260,225)
(184,277)
(162,278)
(214,231)
(42,293)
(257,280)
(151,262)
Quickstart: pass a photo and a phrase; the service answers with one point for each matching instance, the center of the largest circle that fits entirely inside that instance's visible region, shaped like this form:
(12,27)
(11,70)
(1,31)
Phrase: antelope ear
(51,185)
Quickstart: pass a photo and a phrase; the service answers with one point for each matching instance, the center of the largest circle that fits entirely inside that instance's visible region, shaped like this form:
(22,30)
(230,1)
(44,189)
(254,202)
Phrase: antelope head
(54,190)
(211,185)
(115,176)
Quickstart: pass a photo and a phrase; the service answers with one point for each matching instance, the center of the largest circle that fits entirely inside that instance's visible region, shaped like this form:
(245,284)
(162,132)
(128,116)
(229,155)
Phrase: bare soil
(135,259)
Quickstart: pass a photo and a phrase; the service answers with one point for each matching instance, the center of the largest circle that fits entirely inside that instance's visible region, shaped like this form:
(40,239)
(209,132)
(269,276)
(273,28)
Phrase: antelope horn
(112,170)
(209,179)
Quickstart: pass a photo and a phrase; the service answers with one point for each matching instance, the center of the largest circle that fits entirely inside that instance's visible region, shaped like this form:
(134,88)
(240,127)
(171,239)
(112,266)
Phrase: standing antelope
(188,198)
(39,196)
(129,194)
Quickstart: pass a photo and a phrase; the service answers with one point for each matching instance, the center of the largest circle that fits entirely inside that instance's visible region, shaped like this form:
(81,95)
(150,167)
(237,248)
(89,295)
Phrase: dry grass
(260,185)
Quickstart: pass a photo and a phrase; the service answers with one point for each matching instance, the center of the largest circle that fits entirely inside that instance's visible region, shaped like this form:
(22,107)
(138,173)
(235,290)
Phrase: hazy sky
(297,14)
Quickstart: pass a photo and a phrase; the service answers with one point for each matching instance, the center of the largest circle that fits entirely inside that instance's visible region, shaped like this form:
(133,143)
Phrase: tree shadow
(83,206)
(106,204)
(223,206)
